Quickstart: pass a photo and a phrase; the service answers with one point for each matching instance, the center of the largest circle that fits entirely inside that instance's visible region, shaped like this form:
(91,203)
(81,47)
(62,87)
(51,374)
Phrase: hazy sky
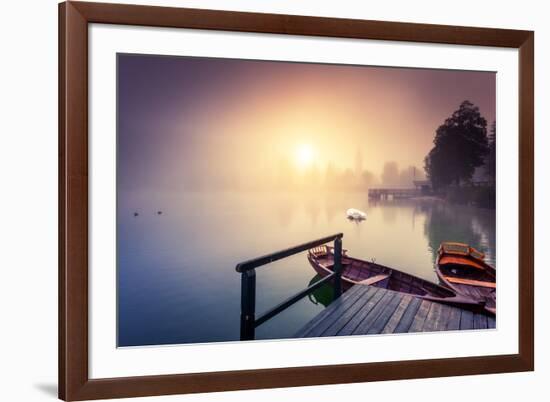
(182,118)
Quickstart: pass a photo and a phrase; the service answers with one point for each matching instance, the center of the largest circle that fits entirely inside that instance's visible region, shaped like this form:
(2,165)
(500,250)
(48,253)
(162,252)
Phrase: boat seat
(472,282)
(374,279)
(318,254)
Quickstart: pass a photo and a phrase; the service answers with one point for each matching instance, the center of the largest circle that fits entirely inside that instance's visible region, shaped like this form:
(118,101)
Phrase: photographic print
(222,161)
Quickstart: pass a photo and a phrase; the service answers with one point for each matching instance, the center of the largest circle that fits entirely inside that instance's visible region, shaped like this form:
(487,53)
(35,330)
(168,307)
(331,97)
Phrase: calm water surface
(176,271)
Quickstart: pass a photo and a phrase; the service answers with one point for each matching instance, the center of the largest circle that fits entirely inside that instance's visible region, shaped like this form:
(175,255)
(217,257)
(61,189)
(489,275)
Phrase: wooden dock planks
(366,310)
(397,315)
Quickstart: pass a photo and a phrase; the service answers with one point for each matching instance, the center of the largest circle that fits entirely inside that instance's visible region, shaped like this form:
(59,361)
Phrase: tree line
(462,147)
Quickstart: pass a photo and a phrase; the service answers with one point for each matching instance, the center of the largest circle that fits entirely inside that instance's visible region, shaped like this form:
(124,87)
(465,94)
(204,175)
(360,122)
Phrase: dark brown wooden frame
(74,17)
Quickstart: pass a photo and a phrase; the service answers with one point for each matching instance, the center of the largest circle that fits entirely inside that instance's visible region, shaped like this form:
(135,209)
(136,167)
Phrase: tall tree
(460,146)
(491,160)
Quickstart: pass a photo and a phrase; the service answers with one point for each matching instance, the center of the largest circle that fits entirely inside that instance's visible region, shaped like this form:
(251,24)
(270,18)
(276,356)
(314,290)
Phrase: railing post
(337,268)
(248,304)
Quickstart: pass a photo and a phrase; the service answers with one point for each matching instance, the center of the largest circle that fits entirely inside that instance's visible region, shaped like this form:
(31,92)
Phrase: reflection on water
(463,224)
(177,282)
(323,295)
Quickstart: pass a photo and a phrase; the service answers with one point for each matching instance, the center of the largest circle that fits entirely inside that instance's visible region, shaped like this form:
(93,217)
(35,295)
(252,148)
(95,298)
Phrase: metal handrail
(248,283)
(266,259)
(291,300)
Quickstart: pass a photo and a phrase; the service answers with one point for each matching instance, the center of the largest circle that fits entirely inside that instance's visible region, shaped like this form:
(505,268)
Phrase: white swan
(355,214)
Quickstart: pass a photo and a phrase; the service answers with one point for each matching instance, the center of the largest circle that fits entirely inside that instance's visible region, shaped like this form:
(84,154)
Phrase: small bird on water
(159,212)
(136,214)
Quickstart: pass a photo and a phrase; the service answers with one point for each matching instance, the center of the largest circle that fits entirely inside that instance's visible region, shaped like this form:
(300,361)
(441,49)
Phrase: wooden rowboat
(359,272)
(463,269)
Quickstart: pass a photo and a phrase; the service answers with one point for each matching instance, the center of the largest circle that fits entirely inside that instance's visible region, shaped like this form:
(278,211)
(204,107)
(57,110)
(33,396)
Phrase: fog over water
(221,160)
(177,279)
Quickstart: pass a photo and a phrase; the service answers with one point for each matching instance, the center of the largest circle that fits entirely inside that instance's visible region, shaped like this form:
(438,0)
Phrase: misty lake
(176,270)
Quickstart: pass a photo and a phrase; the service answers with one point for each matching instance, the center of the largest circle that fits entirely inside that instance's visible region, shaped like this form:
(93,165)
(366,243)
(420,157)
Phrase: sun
(304,155)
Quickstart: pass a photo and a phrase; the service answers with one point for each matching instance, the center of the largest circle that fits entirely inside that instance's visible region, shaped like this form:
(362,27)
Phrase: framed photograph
(259,200)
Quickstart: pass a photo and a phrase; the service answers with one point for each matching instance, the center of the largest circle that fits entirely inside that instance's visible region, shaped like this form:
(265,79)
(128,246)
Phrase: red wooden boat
(463,269)
(359,272)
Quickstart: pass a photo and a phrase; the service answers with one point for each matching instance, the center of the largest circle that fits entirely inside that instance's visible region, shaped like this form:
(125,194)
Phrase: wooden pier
(386,193)
(366,310)
(361,310)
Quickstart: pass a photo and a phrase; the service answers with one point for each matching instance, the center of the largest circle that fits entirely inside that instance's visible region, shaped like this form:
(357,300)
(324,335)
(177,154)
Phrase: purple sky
(182,119)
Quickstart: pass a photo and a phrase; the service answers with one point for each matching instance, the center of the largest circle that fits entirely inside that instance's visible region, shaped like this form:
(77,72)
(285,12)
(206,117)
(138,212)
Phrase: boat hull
(468,276)
(365,273)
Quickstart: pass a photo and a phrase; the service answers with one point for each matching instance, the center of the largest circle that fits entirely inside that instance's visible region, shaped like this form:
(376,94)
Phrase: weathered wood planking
(331,314)
(397,315)
(367,299)
(360,315)
(369,310)
(453,323)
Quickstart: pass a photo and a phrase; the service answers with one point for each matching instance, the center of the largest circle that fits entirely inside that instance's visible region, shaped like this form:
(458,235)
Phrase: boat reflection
(322,295)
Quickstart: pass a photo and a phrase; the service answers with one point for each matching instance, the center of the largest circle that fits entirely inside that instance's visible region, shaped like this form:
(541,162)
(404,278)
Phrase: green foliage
(460,146)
